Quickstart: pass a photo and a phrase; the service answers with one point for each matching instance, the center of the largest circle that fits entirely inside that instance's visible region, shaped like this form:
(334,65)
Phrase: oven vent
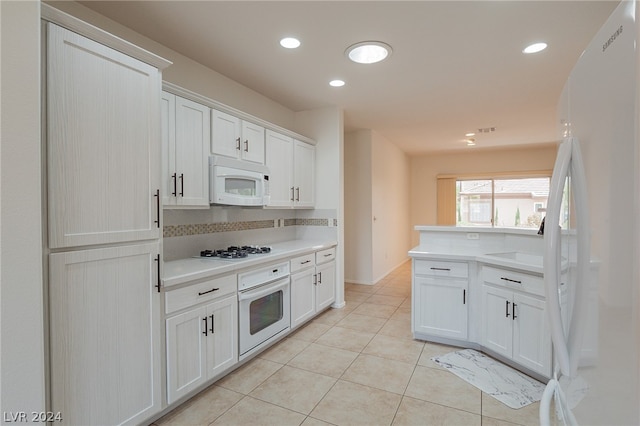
(487,130)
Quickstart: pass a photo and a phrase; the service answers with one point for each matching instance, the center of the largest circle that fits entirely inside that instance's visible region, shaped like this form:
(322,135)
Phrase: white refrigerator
(595,324)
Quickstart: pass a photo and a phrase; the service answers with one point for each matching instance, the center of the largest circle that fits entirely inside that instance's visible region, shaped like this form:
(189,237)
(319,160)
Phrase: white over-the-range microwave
(237,183)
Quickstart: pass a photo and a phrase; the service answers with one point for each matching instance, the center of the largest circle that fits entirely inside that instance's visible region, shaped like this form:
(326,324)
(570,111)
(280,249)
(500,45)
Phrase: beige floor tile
(247,377)
(294,389)
(364,323)
(406,304)
(310,421)
(527,415)
(324,360)
(402,314)
(396,349)
(345,338)
(251,411)
(332,316)
(399,329)
(488,421)
(354,404)
(203,408)
(431,350)
(310,332)
(284,351)
(356,296)
(414,412)
(362,288)
(390,290)
(379,299)
(373,310)
(379,373)
(442,387)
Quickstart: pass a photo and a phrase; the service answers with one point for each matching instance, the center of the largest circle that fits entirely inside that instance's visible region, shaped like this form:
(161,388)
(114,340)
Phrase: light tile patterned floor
(353,366)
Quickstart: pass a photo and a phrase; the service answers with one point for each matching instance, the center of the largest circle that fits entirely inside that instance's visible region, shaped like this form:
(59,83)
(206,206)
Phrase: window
(513,201)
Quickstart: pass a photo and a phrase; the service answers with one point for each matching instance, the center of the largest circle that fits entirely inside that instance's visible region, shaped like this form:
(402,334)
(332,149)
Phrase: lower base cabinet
(515,327)
(201,343)
(313,287)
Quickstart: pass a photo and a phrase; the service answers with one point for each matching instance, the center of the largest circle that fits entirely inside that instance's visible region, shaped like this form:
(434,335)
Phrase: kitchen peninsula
(482,288)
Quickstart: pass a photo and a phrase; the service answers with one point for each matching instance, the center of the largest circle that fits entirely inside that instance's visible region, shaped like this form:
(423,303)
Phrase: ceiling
(456,66)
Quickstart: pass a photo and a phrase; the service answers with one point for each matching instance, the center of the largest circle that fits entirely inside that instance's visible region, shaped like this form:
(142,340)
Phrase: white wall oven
(264,308)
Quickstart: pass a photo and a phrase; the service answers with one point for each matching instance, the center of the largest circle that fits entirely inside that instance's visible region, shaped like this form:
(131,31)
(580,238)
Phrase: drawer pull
(440,269)
(305,262)
(328,255)
(510,280)
(208,291)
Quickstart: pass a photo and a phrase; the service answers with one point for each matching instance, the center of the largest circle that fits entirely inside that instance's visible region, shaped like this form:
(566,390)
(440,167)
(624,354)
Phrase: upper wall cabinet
(291,165)
(185,152)
(236,138)
(103,173)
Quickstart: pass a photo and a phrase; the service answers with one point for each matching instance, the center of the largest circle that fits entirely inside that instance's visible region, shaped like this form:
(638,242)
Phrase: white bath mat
(502,382)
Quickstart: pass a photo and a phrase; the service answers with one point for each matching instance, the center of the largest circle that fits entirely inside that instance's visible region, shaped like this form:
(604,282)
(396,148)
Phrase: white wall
(357,203)
(377,189)
(391,205)
(21,292)
(425,169)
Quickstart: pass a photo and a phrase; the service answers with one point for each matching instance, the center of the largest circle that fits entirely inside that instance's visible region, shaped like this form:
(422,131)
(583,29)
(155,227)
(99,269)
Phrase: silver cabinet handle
(510,280)
(246,145)
(292,197)
(238,144)
(298,194)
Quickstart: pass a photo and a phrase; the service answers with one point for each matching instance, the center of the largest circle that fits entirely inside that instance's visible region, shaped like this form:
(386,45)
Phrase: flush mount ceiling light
(368,52)
(535,48)
(290,43)
(336,83)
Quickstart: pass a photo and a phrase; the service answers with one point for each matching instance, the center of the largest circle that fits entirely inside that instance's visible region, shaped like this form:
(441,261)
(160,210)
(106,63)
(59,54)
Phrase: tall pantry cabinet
(103,209)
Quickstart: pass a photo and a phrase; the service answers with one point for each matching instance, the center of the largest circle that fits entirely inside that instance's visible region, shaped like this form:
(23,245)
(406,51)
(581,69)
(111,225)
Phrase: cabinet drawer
(514,280)
(303,262)
(200,292)
(441,268)
(324,256)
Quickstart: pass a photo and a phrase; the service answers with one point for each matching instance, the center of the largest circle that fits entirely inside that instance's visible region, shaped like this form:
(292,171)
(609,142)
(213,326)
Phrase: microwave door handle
(262,291)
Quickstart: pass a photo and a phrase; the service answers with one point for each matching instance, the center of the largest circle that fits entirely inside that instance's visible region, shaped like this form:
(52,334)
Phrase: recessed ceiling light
(336,83)
(368,52)
(290,42)
(471,142)
(469,134)
(535,48)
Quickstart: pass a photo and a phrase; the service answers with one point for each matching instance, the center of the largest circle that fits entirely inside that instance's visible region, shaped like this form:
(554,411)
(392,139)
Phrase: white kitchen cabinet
(202,342)
(185,152)
(236,138)
(102,143)
(514,321)
(439,299)
(292,171)
(313,284)
(105,334)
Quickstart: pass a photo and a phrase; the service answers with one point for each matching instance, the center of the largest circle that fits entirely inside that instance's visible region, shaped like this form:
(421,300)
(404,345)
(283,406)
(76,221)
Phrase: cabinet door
(304,161)
(303,297)
(192,153)
(105,335)
(222,335)
(497,324)
(103,166)
(440,307)
(326,285)
(531,336)
(225,134)
(278,157)
(252,142)
(186,363)
(168,125)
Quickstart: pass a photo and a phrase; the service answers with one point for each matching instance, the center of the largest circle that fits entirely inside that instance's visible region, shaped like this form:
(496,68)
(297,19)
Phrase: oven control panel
(256,277)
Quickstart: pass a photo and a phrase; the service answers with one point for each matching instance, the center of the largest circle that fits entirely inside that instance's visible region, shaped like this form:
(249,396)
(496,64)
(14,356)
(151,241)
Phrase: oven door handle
(263,290)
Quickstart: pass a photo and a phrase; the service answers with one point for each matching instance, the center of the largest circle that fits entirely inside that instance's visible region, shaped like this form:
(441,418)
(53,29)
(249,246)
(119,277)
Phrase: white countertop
(177,272)
(487,230)
(521,261)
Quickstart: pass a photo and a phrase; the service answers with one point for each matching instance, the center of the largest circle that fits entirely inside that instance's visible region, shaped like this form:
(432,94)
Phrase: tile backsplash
(186,232)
